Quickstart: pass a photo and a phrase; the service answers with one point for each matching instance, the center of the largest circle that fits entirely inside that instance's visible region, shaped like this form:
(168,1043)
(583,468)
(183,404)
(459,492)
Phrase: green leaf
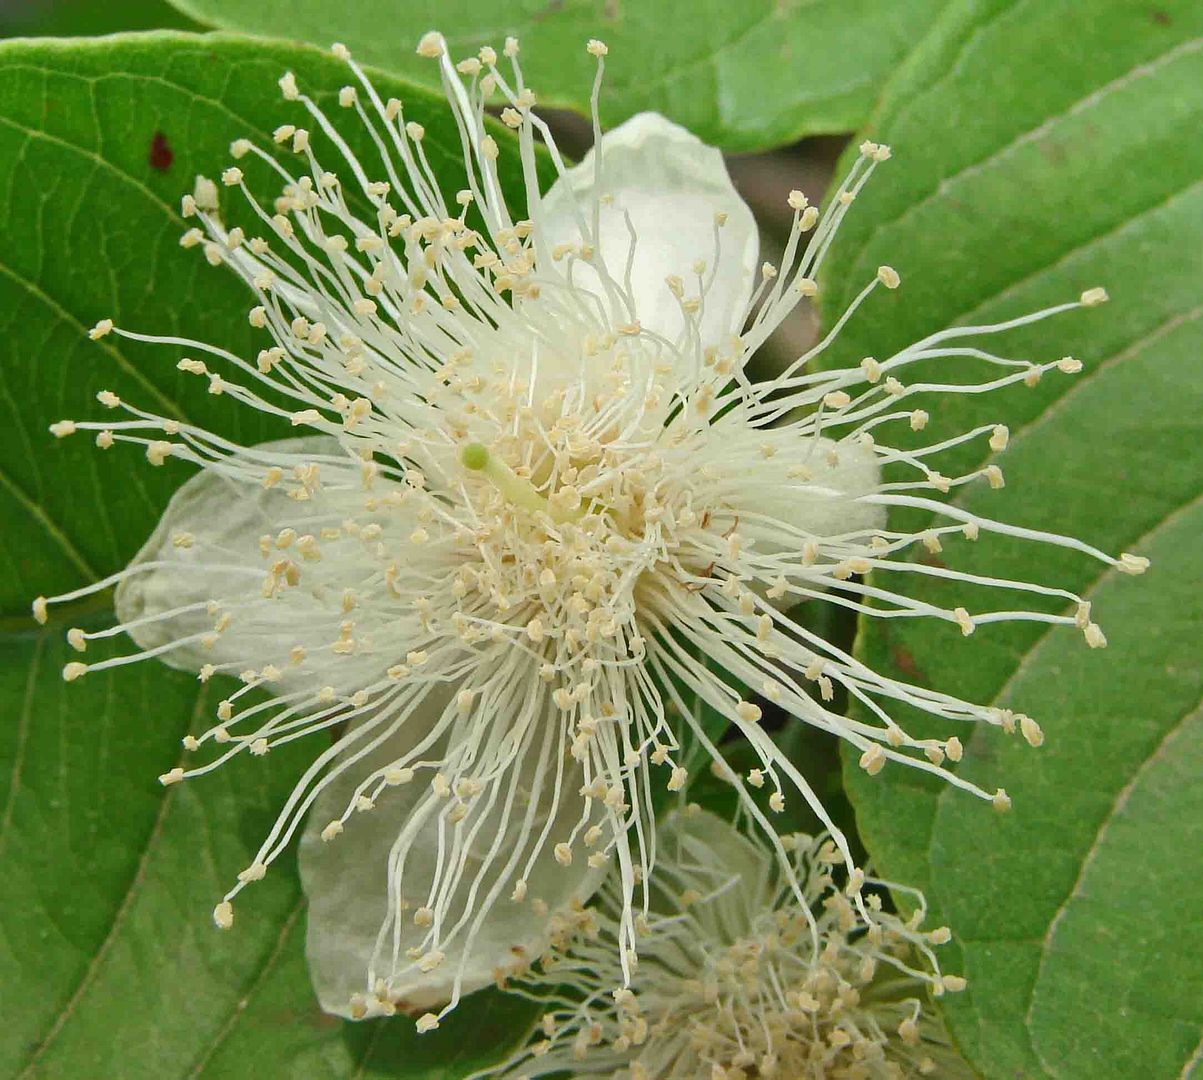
(1039,153)
(61,18)
(741,76)
(110,962)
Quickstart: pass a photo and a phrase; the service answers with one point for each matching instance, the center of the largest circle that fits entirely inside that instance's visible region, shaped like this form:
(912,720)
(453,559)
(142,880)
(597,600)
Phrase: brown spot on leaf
(1054,151)
(161,155)
(1161,18)
(902,658)
(930,558)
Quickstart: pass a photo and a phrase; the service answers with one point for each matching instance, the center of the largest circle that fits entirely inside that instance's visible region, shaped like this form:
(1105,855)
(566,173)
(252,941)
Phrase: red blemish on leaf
(904,661)
(161,155)
(930,558)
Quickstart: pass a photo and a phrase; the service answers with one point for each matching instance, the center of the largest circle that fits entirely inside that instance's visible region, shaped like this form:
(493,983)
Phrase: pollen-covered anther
(1132,564)
(889,277)
(873,760)
(158,451)
(1031,731)
(748,712)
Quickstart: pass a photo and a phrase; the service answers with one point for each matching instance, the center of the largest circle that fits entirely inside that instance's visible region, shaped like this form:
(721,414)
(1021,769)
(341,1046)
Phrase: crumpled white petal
(208,541)
(346,881)
(672,185)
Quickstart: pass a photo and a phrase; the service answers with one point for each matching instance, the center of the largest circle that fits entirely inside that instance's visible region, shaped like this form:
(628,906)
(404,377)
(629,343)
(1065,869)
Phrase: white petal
(346,883)
(224,520)
(826,504)
(672,185)
(832,507)
(722,857)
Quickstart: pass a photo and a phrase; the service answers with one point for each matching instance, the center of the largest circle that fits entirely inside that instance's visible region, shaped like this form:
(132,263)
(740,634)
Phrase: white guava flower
(741,973)
(536,514)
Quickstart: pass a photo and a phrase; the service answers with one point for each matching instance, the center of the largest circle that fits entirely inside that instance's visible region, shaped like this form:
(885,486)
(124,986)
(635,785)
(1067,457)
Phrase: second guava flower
(742,974)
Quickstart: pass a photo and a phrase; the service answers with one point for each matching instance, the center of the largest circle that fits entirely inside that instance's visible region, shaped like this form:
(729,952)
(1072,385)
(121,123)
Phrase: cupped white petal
(670,185)
(350,881)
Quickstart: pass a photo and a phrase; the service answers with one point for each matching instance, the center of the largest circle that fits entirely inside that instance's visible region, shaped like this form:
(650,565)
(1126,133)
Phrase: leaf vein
(22,738)
(256,981)
(123,909)
(1116,808)
(1083,104)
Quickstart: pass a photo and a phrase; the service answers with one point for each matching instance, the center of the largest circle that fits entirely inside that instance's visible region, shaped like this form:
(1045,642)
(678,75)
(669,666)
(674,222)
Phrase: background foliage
(739,75)
(1057,152)
(1042,146)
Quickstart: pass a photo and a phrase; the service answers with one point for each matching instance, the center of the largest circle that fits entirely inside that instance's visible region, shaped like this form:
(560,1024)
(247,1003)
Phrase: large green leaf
(1041,149)
(742,76)
(108,958)
(61,18)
